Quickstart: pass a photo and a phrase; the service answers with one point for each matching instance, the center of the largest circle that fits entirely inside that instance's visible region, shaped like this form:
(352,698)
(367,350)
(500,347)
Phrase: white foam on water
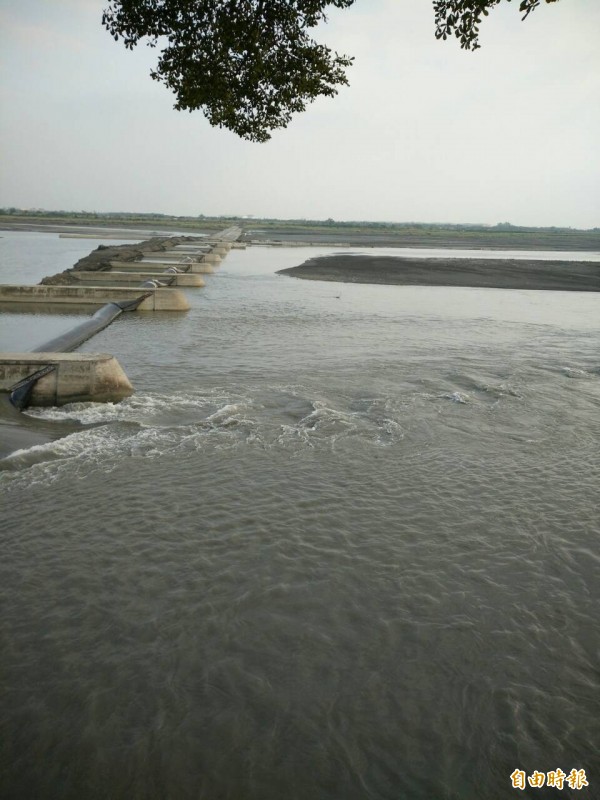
(230,415)
(151,425)
(390,432)
(144,409)
(373,423)
(322,416)
(323,422)
(457,397)
(499,391)
(144,426)
(45,463)
(576,372)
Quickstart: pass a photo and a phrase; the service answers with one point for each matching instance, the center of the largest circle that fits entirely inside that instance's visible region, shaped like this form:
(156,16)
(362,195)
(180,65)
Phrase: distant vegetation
(114,218)
(418,234)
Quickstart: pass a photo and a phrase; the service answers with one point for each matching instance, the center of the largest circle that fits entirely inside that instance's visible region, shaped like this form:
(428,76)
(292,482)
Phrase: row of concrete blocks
(100,287)
(130,238)
(98,377)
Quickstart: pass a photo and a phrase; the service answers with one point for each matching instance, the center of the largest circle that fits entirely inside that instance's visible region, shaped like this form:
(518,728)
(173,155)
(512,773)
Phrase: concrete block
(159,299)
(158,267)
(174,258)
(131,278)
(78,377)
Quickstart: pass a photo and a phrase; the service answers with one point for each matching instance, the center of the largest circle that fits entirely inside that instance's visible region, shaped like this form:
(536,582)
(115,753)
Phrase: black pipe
(80,333)
(20,393)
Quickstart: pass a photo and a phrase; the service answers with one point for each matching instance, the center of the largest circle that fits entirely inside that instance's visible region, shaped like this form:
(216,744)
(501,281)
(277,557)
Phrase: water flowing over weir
(341,543)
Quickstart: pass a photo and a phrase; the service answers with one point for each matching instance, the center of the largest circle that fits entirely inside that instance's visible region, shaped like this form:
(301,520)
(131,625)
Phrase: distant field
(42,222)
(359,234)
(429,236)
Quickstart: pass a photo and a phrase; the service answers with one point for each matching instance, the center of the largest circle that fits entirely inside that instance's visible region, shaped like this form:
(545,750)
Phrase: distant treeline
(503,236)
(202,220)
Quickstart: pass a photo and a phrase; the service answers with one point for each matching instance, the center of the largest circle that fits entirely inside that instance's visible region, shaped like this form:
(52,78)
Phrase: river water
(341,544)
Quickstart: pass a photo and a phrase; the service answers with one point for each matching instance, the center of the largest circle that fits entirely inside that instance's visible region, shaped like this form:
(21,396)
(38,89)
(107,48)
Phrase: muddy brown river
(341,544)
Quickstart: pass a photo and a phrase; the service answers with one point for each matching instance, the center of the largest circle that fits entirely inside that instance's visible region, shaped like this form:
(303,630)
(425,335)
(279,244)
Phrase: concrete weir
(157,300)
(111,280)
(107,235)
(179,258)
(160,266)
(136,278)
(74,377)
(217,249)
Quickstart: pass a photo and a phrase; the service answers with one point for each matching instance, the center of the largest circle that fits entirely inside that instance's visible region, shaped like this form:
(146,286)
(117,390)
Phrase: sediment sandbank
(569,276)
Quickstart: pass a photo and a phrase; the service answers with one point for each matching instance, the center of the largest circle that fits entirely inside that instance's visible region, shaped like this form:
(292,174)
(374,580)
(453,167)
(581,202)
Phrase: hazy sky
(425,132)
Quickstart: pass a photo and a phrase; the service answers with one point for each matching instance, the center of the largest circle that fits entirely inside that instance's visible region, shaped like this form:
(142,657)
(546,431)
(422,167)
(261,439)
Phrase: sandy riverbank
(575,276)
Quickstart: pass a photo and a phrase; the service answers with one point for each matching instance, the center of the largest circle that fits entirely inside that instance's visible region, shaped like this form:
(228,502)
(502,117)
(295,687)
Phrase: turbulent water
(342,543)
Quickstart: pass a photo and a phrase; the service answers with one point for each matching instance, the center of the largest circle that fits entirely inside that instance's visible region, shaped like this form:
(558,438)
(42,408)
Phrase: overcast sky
(425,131)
